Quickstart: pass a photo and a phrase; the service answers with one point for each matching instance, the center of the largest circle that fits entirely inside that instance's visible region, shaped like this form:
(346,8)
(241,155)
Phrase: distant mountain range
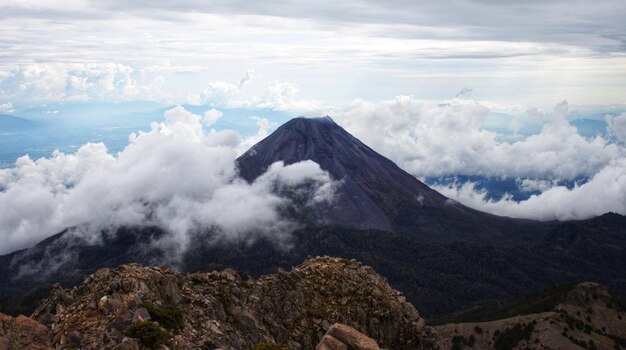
(442,255)
(12,123)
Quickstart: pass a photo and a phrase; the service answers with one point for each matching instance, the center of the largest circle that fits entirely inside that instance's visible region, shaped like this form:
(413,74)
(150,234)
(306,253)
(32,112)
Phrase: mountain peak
(374,193)
(325,120)
(318,139)
(305,124)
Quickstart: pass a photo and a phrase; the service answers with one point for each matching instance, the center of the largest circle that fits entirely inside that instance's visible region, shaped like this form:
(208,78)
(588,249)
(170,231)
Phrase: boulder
(350,337)
(22,332)
(330,343)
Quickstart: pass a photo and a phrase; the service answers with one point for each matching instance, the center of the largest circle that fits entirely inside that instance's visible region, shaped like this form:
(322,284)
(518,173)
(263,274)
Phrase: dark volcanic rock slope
(374,192)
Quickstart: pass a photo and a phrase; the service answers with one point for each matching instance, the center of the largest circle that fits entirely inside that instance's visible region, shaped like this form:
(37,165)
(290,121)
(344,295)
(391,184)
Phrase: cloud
(175,176)
(79,82)
(6,107)
(263,130)
(119,82)
(365,49)
(532,185)
(596,25)
(428,139)
(223,93)
(277,95)
(283,95)
(212,116)
(617,126)
(217,93)
(605,192)
(250,75)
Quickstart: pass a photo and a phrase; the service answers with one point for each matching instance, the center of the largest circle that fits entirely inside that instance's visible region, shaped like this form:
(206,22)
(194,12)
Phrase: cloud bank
(428,139)
(431,140)
(176,176)
(617,127)
(81,82)
(605,192)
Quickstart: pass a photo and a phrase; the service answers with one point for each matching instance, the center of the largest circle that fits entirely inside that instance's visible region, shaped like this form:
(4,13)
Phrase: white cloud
(282,95)
(606,191)
(277,95)
(79,82)
(6,107)
(532,185)
(250,75)
(264,125)
(617,126)
(217,93)
(175,176)
(337,51)
(428,139)
(211,116)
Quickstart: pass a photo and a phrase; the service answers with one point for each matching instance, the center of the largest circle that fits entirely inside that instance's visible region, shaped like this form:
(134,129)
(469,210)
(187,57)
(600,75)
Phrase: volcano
(374,193)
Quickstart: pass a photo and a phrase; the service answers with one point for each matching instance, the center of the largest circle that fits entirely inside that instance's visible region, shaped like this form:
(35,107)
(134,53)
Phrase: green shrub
(168,316)
(150,334)
(457,342)
(268,346)
(509,338)
(471,341)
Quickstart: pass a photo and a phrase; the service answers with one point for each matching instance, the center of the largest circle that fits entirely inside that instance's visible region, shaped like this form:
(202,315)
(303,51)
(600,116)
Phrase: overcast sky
(529,53)
(415,80)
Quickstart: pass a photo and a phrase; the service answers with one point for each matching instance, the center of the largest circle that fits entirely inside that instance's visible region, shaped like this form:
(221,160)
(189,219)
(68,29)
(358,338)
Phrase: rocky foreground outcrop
(135,307)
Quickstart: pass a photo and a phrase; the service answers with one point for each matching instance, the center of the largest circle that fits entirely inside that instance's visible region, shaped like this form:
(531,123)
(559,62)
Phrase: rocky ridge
(223,310)
(588,317)
(324,304)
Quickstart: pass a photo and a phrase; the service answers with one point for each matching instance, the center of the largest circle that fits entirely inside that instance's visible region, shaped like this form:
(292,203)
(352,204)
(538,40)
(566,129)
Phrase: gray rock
(141,314)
